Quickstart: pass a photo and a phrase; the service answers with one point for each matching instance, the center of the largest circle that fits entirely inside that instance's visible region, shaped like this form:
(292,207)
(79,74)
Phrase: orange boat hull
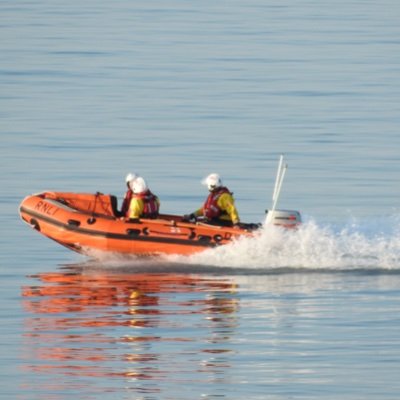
(87,222)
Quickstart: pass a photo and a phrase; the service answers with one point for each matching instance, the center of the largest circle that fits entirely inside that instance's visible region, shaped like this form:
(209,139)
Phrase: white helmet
(130,177)
(139,185)
(212,181)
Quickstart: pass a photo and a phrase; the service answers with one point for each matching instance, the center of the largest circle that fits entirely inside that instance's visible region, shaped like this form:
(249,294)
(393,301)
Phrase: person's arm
(135,208)
(125,203)
(227,203)
(199,212)
(192,216)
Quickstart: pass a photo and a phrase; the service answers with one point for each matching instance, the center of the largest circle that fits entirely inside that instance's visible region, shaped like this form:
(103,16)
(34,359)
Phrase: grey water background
(176,90)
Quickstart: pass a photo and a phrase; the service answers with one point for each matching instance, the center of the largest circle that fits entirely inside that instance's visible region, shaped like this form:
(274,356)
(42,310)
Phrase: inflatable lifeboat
(85,222)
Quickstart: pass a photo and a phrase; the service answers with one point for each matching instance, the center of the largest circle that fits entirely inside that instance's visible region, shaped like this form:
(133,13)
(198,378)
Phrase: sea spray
(311,246)
(372,244)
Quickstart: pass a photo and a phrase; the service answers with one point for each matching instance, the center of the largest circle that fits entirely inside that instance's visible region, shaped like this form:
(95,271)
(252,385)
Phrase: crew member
(128,195)
(219,207)
(144,204)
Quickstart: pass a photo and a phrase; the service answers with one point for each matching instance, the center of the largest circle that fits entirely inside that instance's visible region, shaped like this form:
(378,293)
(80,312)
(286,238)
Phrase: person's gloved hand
(189,218)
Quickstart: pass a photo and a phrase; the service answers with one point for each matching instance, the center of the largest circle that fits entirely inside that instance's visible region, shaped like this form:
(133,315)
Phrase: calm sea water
(176,90)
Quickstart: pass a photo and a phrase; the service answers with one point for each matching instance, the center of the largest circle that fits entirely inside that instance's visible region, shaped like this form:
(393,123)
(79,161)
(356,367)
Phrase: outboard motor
(284,218)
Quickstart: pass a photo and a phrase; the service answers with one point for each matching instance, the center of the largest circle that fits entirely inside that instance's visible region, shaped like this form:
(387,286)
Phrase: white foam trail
(311,246)
(373,244)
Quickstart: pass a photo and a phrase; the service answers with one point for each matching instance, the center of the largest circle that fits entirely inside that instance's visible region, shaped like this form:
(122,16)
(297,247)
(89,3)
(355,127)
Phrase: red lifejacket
(126,202)
(151,205)
(211,209)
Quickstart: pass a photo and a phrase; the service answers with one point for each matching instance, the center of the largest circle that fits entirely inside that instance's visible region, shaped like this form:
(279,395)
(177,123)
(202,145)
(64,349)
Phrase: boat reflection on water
(142,328)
